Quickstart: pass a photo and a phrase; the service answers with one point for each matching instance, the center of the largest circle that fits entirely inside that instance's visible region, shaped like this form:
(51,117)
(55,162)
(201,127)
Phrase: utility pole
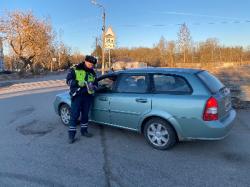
(60,48)
(1,56)
(103,31)
(51,64)
(103,40)
(109,43)
(109,60)
(96,46)
(59,60)
(51,67)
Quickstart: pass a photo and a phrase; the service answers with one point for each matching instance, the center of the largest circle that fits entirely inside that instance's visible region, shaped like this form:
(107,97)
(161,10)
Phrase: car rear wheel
(65,114)
(160,134)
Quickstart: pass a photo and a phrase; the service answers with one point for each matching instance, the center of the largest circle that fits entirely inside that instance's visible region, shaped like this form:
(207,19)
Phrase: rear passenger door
(130,101)
(172,94)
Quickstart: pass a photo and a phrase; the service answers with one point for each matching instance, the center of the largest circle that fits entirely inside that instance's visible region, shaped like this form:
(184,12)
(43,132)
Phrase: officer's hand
(92,86)
(81,84)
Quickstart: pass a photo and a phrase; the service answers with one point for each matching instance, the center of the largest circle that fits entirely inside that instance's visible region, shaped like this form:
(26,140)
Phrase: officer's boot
(72,133)
(84,130)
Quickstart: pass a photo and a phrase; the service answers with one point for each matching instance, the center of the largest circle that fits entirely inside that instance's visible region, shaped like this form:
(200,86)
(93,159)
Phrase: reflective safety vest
(87,78)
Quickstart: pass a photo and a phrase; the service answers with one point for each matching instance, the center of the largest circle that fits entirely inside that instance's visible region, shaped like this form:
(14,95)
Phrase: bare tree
(28,37)
(76,57)
(161,46)
(97,45)
(184,41)
(209,51)
(170,53)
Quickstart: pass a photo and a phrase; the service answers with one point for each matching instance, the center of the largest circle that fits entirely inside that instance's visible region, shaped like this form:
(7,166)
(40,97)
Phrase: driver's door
(100,110)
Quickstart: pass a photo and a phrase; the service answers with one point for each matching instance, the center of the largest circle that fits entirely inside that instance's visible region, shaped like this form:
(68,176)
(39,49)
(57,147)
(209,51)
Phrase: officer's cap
(91,59)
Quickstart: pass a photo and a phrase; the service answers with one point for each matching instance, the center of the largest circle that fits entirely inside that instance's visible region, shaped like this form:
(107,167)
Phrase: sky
(141,23)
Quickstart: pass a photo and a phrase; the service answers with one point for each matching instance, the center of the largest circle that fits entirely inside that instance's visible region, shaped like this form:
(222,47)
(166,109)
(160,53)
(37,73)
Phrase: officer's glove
(81,84)
(91,86)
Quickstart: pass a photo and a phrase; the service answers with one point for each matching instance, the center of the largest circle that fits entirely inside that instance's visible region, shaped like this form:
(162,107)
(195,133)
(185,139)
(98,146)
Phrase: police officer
(82,82)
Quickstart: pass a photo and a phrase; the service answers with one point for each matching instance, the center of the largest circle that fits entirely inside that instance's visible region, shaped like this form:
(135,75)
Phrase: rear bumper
(215,130)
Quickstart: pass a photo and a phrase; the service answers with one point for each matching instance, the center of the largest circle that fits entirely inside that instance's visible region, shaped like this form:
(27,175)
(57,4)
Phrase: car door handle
(141,100)
(103,98)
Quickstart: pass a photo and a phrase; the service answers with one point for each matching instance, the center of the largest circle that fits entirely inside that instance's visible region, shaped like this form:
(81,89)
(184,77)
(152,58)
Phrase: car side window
(107,83)
(132,84)
(171,84)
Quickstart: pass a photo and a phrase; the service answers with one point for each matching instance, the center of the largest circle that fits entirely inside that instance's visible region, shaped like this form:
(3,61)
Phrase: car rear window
(171,84)
(212,83)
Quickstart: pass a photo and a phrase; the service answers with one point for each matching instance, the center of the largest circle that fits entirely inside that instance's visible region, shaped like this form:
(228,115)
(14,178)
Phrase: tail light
(211,110)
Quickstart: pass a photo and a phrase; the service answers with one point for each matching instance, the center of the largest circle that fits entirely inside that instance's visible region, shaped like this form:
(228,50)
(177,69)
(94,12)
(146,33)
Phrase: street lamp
(103,30)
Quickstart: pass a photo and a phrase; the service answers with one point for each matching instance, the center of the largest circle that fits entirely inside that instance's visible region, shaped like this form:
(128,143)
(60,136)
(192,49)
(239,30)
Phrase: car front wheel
(65,114)
(160,134)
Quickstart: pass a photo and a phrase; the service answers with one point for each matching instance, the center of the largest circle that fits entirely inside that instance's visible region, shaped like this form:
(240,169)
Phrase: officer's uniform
(82,82)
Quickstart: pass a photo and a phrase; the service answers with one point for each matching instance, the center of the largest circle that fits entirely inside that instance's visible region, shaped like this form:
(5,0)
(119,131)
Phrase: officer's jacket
(78,74)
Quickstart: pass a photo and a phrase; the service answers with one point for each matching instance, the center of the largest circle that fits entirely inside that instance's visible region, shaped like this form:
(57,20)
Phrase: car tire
(160,134)
(64,112)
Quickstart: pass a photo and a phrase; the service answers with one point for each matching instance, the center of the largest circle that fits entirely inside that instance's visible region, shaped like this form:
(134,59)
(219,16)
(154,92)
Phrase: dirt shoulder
(10,79)
(238,80)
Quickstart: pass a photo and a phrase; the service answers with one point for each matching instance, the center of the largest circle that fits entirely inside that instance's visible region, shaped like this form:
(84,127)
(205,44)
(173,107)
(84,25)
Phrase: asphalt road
(34,152)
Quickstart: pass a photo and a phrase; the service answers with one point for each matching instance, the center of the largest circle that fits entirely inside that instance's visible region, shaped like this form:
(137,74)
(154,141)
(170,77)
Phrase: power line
(194,23)
(195,15)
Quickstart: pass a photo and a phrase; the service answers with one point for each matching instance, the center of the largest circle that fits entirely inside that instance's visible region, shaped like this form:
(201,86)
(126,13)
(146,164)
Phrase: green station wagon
(165,105)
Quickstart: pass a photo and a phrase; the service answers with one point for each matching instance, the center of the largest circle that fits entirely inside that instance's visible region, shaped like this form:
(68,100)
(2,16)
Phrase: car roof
(157,70)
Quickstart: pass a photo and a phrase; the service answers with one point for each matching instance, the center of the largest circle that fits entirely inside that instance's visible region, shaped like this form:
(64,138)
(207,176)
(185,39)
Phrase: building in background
(127,65)
(1,55)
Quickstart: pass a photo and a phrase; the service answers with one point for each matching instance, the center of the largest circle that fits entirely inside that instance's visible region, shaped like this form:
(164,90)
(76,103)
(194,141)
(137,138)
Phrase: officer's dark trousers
(80,104)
